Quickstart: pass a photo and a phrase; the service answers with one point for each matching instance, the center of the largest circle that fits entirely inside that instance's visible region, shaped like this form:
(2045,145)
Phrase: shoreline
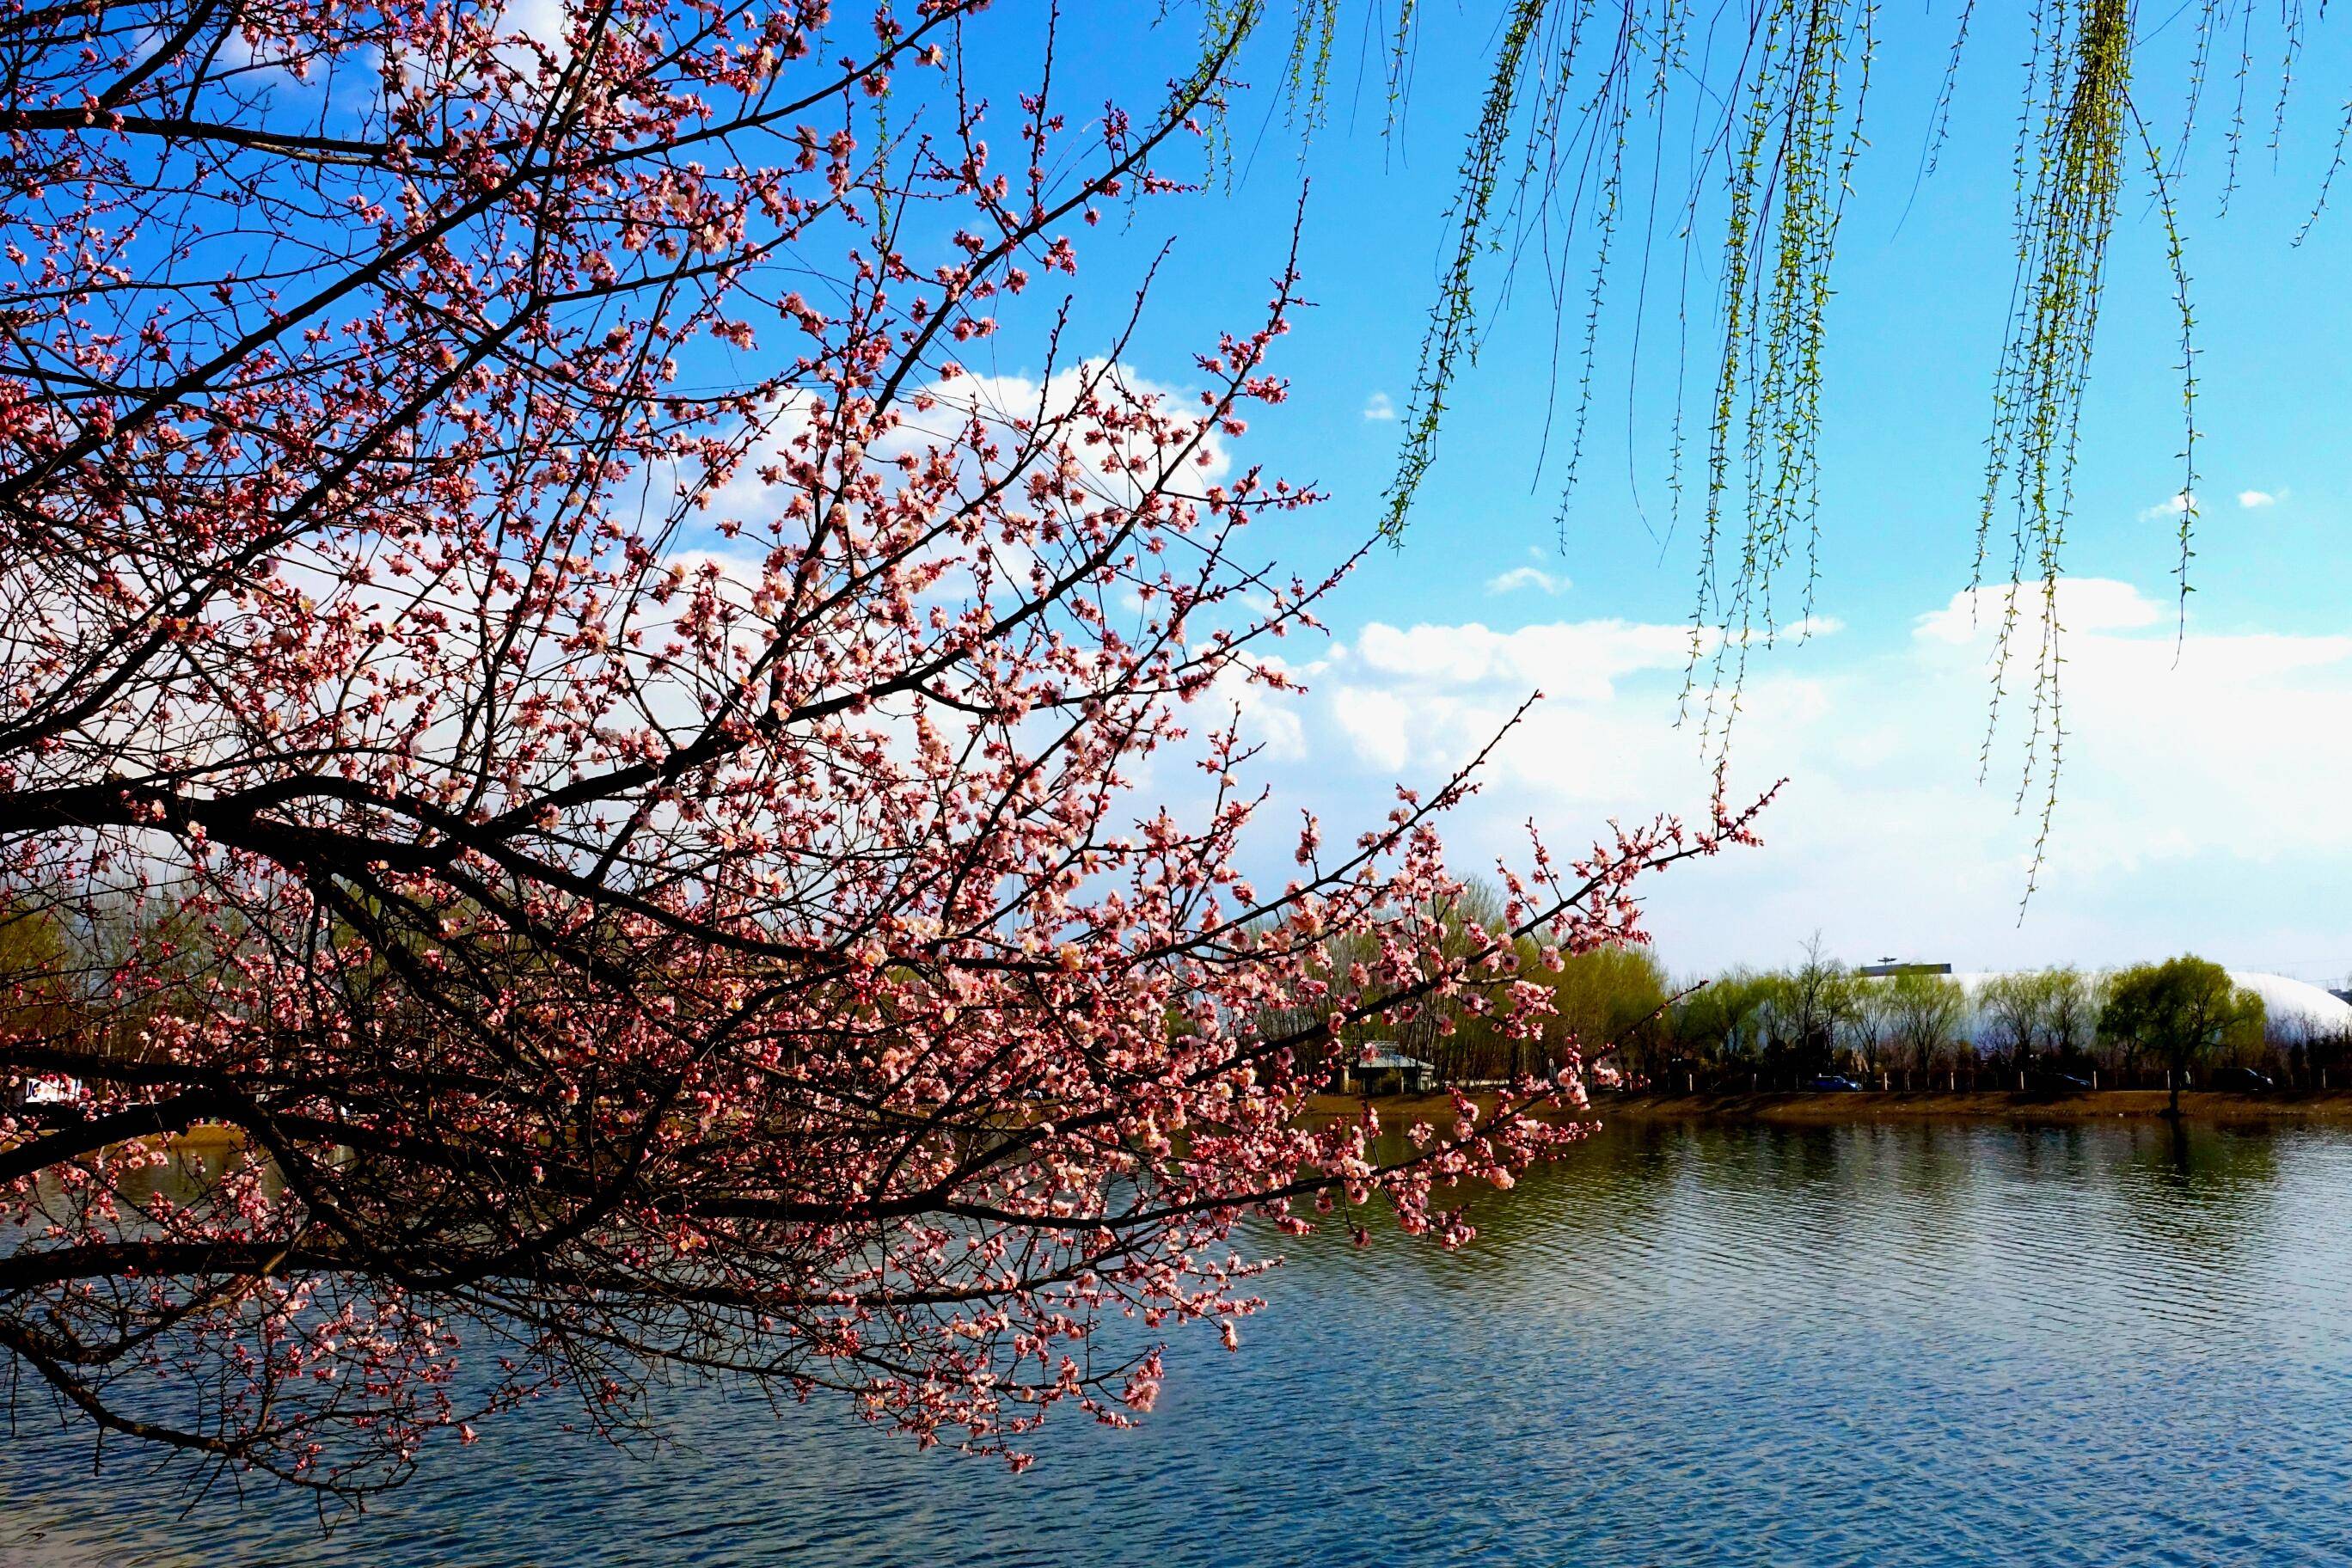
(2331,1107)
(1797,1108)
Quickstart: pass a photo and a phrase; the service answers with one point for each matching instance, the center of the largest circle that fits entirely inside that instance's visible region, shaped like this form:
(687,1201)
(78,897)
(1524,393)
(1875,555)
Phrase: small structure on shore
(1384,1069)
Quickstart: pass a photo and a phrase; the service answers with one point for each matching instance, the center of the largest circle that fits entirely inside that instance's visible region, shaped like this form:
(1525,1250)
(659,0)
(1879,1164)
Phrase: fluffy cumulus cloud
(2250,499)
(2199,805)
(1578,659)
(2201,767)
(1519,577)
(1269,719)
(943,413)
(2083,604)
(1378,407)
(1412,703)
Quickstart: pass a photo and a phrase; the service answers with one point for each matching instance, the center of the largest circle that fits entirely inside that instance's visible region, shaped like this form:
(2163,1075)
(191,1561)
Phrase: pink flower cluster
(545,697)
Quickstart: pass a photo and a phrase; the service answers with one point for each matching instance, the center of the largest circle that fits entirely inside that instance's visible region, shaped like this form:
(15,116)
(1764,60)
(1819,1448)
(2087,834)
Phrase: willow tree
(2186,1009)
(1742,131)
(1929,1012)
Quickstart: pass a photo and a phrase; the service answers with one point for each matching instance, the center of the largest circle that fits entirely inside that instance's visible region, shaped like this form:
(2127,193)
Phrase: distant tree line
(2146,1025)
(1612,998)
(63,975)
(2150,1024)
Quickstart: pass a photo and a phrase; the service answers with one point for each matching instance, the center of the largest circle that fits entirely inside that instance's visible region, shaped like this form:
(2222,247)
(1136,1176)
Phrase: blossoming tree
(545,694)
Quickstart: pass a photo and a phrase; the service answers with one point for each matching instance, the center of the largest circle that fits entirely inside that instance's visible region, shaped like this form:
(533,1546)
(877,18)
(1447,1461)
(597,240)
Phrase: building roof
(1383,1054)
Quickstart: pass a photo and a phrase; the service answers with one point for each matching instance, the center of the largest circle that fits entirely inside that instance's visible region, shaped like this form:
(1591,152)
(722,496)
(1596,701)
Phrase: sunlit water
(1914,1345)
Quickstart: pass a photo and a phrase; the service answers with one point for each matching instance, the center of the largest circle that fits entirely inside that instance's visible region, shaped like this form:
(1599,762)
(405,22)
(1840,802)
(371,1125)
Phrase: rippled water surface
(1918,1345)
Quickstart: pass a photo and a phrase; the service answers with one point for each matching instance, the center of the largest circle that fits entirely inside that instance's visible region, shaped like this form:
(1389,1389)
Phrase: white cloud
(1577,660)
(1269,717)
(1519,577)
(2171,506)
(1004,408)
(1378,407)
(1374,722)
(2198,809)
(2252,499)
(547,21)
(2083,603)
(1803,630)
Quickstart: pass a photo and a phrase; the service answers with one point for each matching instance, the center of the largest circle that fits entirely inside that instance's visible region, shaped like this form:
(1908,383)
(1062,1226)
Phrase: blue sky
(2199,810)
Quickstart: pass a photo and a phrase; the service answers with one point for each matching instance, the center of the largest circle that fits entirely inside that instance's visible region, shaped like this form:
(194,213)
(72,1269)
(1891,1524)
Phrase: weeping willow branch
(1448,344)
(1802,135)
(1767,98)
(2066,218)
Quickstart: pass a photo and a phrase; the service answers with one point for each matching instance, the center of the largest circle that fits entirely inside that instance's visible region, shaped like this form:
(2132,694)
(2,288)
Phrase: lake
(1939,1344)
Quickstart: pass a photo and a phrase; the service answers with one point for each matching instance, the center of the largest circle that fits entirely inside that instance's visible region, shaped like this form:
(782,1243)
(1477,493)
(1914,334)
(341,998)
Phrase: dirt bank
(2331,1106)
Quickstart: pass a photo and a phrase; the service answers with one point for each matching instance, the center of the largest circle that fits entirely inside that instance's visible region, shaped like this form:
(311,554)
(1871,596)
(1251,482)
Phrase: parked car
(2245,1081)
(1831,1083)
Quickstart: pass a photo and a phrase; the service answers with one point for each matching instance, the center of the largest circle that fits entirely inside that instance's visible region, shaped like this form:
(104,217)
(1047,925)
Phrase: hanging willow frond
(1801,135)
(1582,105)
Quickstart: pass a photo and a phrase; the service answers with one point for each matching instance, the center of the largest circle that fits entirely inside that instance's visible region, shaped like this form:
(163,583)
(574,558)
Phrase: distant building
(1886,967)
(1384,1069)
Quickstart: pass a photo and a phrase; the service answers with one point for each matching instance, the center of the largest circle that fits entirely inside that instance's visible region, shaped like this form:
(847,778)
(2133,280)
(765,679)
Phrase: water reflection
(188,1175)
(1872,1344)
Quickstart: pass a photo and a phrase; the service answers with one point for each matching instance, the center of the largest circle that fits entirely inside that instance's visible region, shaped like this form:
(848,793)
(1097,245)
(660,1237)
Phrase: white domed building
(2293,1010)
(2296,1009)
